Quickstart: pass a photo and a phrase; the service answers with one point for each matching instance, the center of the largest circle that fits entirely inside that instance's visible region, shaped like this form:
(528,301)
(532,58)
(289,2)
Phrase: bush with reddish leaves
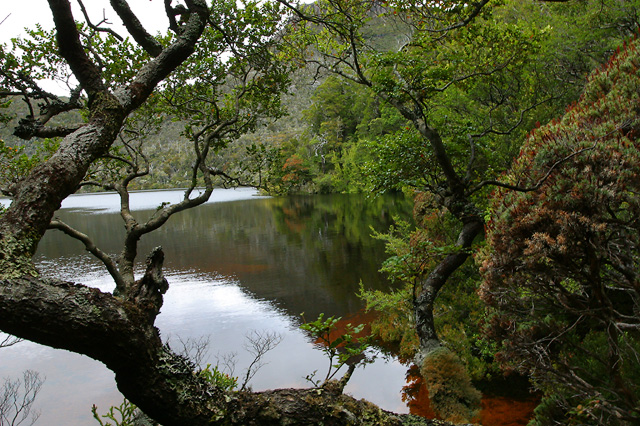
(561,270)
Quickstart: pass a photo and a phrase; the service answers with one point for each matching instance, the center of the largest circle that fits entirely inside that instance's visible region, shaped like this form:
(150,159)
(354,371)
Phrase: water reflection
(250,264)
(304,253)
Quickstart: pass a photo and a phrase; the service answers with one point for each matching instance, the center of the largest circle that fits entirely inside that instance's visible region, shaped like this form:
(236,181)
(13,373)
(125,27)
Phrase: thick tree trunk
(120,331)
(40,194)
(164,385)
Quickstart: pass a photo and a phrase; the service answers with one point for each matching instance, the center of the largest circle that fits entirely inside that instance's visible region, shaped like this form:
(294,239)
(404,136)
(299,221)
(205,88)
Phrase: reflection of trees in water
(334,233)
(507,403)
(512,406)
(308,253)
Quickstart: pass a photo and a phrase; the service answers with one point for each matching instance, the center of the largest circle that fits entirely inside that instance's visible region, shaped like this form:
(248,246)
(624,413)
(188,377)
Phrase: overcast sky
(18,14)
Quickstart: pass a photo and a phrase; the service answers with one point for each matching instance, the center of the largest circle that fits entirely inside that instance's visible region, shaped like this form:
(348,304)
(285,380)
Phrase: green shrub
(219,379)
(122,415)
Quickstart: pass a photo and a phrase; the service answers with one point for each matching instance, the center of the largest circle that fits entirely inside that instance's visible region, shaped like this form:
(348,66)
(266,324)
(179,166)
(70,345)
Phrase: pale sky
(26,13)
(18,14)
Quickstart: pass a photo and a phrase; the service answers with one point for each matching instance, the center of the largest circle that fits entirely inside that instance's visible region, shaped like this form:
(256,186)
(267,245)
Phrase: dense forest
(512,124)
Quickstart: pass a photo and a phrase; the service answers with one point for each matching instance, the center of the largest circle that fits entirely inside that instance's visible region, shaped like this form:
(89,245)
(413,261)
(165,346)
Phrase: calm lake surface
(238,264)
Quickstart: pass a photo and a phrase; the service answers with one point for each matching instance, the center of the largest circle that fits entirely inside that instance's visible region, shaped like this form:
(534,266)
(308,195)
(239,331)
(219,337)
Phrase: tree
(466,80)
(561,263)
(470,79)
(17,396)
(115,80)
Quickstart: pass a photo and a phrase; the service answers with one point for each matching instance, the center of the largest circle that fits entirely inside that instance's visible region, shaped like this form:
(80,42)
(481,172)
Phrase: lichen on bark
(15,257)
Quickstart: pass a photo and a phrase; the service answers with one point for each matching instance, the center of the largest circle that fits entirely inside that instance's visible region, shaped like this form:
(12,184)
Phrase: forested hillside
(512,124)
(334,133)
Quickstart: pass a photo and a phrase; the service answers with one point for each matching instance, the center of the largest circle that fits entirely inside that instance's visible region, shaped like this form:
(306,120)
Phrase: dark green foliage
(335,149)
(458,311)
(15,163)
(347,138)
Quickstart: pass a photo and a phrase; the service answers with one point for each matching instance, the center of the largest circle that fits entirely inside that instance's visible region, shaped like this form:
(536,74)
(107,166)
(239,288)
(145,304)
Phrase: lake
(238,264)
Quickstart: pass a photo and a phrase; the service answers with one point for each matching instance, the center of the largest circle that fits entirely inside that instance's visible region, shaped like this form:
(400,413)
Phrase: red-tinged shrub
(561,270)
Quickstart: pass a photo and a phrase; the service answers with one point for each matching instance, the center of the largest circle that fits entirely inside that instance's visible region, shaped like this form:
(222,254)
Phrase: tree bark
(455,199)
(163,384)
(433,283)
(41,193)
(120,331)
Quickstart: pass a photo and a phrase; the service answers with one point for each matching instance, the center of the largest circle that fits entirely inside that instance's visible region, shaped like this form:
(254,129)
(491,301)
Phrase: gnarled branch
(90,246)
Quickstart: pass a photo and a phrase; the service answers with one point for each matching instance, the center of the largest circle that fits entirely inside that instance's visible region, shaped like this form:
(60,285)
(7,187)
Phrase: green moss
(451,392)
(270,413)
(104,104)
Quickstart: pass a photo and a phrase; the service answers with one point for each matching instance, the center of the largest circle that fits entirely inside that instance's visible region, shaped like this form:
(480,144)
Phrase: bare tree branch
(258,344)
(90,247)
(194,349)
(97,27)
(17,398)
(9,340)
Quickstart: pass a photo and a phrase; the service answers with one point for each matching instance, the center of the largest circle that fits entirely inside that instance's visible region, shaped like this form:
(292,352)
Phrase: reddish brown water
(496,410)
(503,411)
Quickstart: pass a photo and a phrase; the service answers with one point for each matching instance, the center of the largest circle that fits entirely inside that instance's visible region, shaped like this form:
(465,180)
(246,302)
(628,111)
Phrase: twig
(551,169)
(5,18)
(96,27)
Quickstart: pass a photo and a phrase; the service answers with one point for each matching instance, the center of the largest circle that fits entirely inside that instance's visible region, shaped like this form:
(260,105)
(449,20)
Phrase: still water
(238,264)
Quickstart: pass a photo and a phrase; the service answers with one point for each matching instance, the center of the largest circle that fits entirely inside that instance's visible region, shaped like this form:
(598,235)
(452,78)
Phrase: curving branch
(475,11)
(30,127)
(128,287)
(163,384)
(168,60)
(72,50)
(538,184)
(9,340)
(551,169)
(90,246)
(169,10)
(97,27)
